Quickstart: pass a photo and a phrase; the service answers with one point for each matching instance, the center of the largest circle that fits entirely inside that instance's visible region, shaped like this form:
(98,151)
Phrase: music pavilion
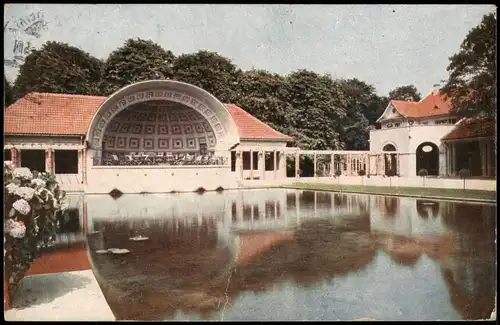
(162,136)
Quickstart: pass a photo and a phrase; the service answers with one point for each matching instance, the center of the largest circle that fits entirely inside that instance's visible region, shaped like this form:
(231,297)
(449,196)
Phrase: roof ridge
(63,95)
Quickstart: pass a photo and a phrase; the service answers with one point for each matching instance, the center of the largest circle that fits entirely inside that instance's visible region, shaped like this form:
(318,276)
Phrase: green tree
(317,110)
(407,93)
(263,94)
(8,96)
(472,81)
(137,60)
(58,68)
(360,102)
(211,72)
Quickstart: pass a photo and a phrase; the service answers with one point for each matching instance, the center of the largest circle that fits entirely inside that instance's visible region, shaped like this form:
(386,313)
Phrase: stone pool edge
(429,196)
(318,188)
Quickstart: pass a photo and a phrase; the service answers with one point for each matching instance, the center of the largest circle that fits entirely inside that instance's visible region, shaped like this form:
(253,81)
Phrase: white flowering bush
(32,202)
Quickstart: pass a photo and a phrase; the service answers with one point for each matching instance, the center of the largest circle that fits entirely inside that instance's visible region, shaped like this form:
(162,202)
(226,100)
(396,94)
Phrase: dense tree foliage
(472,80)
(8,96)
(359,98)
(263,94)
(58,68)
(317,110)
(407,93)
(210,71)
(137,60)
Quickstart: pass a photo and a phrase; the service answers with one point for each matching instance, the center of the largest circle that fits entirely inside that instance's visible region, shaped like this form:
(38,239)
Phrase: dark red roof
(63,114)
(434,104)
(472,128)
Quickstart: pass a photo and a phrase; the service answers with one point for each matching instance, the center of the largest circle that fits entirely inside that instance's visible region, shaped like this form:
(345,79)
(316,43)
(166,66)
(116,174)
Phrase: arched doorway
(427,155)
(390,160)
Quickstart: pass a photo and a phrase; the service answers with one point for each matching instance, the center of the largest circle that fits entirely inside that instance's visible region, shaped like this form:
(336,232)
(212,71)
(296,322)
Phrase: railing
(160,159)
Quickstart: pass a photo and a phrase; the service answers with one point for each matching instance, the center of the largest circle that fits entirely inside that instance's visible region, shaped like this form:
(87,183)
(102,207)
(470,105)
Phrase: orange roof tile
(64,114)
(252,128)
(472,128)
(57,114)
(433,104)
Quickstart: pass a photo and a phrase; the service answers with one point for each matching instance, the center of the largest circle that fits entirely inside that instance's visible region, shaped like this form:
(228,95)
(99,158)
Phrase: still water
(279,254)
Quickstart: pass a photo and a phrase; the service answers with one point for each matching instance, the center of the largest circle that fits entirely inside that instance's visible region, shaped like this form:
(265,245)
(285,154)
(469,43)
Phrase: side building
(426,135)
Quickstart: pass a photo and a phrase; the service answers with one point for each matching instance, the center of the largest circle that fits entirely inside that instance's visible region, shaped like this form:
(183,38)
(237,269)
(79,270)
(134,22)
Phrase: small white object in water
(118,250)
(139,238)
(101,251)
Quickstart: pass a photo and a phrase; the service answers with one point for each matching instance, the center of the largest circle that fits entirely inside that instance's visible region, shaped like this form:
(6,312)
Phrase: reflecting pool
(278,254)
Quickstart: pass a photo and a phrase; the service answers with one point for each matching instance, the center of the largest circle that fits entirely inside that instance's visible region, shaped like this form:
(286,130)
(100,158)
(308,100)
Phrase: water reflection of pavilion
(193,247)
(235,210)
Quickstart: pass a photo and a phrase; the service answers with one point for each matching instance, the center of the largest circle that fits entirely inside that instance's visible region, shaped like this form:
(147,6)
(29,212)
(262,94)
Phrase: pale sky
(384,45)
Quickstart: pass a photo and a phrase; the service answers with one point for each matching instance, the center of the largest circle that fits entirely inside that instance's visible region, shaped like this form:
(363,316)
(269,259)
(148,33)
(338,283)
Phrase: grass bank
(436,193)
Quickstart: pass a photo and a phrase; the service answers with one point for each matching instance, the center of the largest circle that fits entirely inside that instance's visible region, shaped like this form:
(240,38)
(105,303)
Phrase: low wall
(155,179)
(471,184)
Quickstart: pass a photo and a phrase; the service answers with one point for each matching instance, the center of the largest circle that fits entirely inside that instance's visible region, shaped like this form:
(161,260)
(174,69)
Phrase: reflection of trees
(470,274)
(318,250)
(157,281)
(324,200)
(388,205)
(403,250)
(307,198)
(340,200)
(476,299)
(423,207)
(145,283)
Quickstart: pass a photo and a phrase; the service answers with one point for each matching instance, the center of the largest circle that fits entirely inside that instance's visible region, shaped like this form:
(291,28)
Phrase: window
(389,125)
(33,159)
(66,161)
(453,121)
(269,161)
(410,122)
(425,122)
(246,160)
(233,161)
(394,110)
(7,155)
(397,125)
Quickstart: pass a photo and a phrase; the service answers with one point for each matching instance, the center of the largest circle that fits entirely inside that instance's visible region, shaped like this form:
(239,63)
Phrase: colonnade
(49,156)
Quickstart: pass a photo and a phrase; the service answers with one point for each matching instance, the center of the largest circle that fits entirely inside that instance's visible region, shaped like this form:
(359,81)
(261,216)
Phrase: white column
(483,149)
(453,158)
(251,164)
(261,164)
(239,164)
(332,164)
(282,165)
(297,164)
(315,165)
(275,162)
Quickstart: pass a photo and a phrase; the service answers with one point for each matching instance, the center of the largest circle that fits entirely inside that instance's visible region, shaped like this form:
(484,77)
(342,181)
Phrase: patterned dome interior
(158,126)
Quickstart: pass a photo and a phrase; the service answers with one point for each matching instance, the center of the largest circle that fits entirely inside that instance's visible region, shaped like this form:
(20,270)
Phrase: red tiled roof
(472,128)
(44,113)
(64,114)
(252,128)
(433,104)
